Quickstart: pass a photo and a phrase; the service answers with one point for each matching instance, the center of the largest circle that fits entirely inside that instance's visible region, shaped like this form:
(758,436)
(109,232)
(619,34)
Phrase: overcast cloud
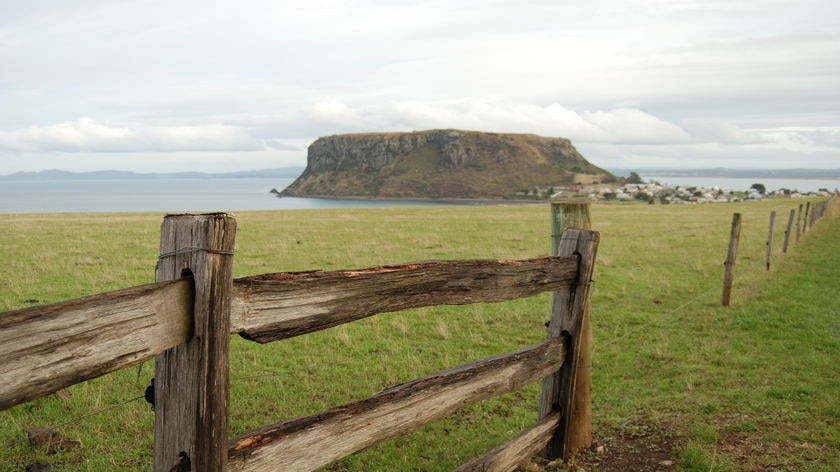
(222,86)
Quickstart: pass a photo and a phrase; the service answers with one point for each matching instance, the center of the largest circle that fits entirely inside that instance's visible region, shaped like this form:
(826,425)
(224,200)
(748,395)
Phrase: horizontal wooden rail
(275,306)
(314,441)
(49,347)
(46,348)
(509,455)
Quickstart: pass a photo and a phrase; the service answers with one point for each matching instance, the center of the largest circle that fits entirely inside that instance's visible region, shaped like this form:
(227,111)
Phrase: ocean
(231,194)
(168,195)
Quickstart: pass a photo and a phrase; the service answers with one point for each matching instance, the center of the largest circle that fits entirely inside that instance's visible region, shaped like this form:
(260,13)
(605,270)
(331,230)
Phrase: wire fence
(673,315)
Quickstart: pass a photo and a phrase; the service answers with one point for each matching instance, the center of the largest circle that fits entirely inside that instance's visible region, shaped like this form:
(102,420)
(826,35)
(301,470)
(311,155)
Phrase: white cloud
(84,134)
(803,139)
(629,125)
(335,112)
(88,135)
(705,78)
(621,125)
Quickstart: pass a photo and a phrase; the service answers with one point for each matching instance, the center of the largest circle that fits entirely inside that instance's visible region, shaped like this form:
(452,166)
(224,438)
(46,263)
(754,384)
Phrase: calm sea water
(164,195)
(232,194)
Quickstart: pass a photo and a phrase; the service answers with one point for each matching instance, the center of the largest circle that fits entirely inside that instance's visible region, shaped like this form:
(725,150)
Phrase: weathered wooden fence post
(799,223)
(729,273)
(770,241)
(824,207)
(806,218)
(817,212)
(566,215)
(192,380)
(787,231)
(570,390)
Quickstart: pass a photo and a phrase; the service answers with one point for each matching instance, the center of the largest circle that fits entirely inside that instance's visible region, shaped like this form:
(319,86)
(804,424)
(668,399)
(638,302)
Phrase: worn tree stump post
(732,254)
(191,386)
(570,389)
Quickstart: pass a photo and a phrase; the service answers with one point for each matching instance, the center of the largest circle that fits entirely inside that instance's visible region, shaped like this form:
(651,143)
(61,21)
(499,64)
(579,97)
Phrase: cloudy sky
(217,86)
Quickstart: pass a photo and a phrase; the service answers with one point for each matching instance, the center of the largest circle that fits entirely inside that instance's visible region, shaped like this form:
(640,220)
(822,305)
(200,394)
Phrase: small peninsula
(441,164)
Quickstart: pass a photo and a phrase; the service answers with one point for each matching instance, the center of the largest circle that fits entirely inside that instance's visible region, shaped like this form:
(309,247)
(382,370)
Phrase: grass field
(678,380)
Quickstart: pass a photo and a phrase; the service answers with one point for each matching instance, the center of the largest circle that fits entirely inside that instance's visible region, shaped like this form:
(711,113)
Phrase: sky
(203,85)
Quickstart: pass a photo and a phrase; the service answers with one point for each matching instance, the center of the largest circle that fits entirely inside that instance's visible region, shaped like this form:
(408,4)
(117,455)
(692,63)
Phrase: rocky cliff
(440,164)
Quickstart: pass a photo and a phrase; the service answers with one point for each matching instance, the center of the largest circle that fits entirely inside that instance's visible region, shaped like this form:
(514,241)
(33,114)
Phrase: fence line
(131,325)
(648,324)
(185,320)
(812,214)
(146,319)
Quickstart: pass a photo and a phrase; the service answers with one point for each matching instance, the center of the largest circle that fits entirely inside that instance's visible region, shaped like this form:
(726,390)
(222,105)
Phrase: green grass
(743,387)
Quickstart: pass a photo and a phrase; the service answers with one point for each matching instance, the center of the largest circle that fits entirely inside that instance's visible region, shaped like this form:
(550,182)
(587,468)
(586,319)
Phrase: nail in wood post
(770,241)
(570,389)
(787,231)
(729,273)
(192,379)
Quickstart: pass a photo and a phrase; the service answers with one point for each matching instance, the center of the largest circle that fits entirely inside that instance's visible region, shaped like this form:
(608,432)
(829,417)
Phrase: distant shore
(447,200)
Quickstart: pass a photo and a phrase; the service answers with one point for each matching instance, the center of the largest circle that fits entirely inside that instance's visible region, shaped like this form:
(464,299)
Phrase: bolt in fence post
(570,389)
(770,241)
(729,273)
(192,380)
(787,231)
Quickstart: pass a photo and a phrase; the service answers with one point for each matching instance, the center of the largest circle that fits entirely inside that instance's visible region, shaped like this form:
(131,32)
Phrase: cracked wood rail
(310,442)
(275,306)
(50,347)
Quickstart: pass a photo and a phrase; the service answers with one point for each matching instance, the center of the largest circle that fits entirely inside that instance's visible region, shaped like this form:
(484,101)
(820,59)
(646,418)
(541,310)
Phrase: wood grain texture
(509,455)
(570,312)
(731,257)
(314,441)
(50,347)
(192,379)
(276,306)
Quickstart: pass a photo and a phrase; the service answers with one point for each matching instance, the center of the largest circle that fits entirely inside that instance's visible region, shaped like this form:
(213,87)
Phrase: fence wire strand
(802,223)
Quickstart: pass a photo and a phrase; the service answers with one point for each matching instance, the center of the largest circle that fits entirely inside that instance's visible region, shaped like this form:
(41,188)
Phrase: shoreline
(447,200)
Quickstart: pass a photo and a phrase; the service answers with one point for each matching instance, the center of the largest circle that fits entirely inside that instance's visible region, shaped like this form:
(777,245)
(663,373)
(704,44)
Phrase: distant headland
(441,164)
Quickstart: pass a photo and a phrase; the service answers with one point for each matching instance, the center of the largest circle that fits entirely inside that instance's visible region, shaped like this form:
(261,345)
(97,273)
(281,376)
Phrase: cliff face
(440,164)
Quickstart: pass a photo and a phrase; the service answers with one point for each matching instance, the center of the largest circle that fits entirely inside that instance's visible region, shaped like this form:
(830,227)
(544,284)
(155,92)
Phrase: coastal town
(653,192)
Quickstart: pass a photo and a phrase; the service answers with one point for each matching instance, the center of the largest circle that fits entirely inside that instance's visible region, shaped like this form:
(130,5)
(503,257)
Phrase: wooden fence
(185,320)
(807,216)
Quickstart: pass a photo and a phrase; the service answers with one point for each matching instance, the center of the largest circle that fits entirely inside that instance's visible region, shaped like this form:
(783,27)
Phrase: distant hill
(440,164)
(740,173)
(283,172)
